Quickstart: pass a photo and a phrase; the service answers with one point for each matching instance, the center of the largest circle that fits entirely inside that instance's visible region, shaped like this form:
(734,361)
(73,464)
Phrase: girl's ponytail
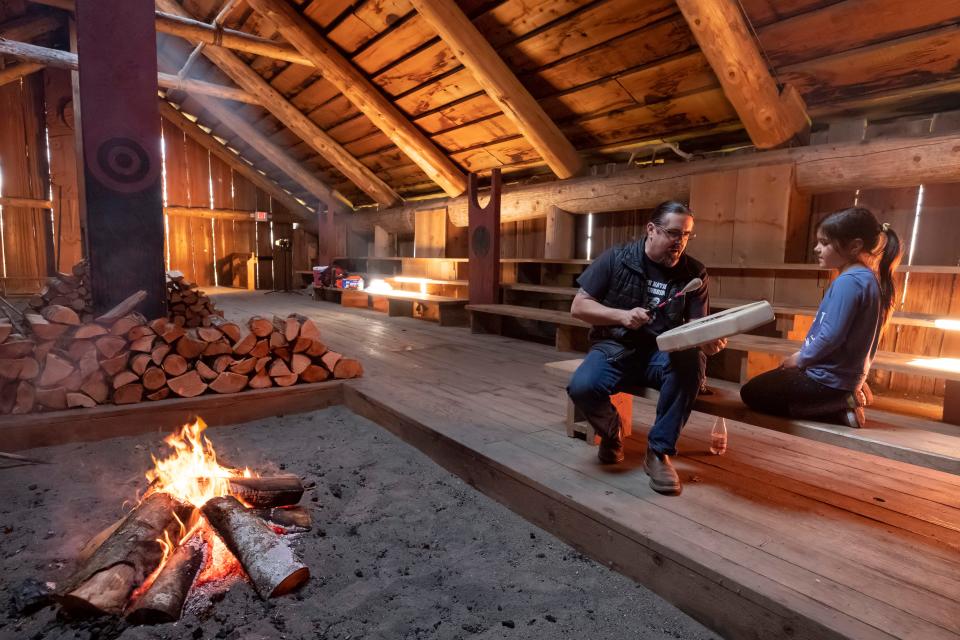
(889,260)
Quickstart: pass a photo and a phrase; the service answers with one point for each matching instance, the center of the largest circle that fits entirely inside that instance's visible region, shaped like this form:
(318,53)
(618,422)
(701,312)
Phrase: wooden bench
(947,369)
(487,318)
(447,311)
(918,441)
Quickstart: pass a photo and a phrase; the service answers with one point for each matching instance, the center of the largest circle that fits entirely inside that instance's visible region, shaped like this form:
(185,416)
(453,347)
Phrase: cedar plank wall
(23,166)
(67,233)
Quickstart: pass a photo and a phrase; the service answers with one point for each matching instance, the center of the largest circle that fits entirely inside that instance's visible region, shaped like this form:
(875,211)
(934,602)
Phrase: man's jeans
(677,375)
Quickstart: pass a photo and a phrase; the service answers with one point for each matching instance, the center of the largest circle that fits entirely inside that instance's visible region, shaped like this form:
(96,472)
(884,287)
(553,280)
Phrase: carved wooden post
(120,128)
(484,242)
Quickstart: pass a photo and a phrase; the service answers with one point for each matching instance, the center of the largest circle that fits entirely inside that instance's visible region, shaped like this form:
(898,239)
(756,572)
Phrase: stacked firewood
(67,290)
(187,305)
(122,358)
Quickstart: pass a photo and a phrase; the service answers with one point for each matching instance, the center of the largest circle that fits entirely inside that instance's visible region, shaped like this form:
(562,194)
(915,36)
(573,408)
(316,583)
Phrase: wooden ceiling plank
(363,94)
(175,117)
(907,62)
(14,72)
(500,83)
(678,75)
(840,27)
(771,117)
(292,118)
(597,24)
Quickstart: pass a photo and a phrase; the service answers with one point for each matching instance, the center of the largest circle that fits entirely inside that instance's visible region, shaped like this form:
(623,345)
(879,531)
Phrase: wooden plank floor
(780,537)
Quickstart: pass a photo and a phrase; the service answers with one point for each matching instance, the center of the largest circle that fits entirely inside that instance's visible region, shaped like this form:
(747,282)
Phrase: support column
(121,152)
(484,242)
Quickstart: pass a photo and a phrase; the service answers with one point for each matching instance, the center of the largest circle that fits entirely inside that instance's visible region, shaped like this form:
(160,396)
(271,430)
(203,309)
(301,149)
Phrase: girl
(825,378)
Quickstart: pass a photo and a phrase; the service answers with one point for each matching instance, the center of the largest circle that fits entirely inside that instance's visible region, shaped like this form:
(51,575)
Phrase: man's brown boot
(663,477)
(610,450)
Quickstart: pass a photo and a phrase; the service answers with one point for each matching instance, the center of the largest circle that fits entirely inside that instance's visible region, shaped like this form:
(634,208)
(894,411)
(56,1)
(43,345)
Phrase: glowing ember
(219,564)
(192,474)
(379,286)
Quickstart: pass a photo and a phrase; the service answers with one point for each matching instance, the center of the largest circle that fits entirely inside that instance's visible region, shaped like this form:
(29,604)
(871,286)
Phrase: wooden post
(326,234)
(561,231)
(484,242)
(121,152)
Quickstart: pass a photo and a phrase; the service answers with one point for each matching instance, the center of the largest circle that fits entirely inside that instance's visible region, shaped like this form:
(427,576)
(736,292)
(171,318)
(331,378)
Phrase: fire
(379,286)
(192,474)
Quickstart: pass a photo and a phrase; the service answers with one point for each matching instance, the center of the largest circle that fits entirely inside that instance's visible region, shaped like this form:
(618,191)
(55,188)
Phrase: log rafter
(772,118)
(503,87)
(354,85)
(46,57)
(293,118)
(201,32)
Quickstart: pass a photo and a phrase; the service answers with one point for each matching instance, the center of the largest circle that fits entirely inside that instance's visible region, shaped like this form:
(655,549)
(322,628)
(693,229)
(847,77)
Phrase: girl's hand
(791,361)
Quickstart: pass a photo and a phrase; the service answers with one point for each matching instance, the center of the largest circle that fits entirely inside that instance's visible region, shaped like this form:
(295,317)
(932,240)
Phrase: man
(618,295)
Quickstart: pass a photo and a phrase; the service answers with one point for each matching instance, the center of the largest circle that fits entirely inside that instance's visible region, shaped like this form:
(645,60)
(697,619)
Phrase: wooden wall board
(560,234)
(713,199)
(202,250)
(24,233)
(221,183)
(264,256)
(67,231)
(430,233)
(938,233)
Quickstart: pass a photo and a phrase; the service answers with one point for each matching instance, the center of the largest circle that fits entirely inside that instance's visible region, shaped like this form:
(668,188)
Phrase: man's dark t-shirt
(598,277)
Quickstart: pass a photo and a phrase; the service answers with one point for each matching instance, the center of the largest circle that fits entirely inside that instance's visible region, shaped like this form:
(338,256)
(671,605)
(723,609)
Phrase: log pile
(67,290)
(187,305)
(122,358)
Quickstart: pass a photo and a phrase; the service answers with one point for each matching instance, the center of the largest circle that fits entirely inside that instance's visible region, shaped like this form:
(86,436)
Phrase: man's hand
(634,318)
(791,361)
(715,347)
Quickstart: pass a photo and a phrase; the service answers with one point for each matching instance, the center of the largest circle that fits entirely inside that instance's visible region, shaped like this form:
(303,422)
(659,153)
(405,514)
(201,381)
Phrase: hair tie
(885,227)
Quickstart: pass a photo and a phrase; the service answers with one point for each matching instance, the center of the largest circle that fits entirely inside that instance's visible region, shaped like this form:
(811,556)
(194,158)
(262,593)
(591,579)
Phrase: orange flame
(192,474)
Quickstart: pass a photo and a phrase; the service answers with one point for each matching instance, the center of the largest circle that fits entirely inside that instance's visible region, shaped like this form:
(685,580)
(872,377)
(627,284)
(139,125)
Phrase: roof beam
(363,94)
(500,83)
(28,27)
(16,71)
(293,118)
(772,118)
(197,32)
(233,160)
(66,60)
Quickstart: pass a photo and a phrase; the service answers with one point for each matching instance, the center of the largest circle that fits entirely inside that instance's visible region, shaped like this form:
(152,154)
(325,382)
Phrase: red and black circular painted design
(124,165)
(480,241)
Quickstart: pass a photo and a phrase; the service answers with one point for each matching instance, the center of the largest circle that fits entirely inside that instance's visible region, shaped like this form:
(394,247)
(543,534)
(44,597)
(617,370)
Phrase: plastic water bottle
(718,437)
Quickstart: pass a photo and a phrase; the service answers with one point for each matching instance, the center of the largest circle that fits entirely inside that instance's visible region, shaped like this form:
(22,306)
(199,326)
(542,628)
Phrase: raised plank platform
(780,537)
(447,311)
(925,443)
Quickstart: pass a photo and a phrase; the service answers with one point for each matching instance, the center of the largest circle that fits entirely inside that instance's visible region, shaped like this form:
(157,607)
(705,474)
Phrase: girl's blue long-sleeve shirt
(842,342)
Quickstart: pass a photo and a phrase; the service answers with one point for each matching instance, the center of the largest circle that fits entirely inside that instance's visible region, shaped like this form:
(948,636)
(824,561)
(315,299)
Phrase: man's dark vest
(628,290)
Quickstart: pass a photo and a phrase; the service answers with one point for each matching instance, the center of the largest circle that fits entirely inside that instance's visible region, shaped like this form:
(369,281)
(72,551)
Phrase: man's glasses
(676,234)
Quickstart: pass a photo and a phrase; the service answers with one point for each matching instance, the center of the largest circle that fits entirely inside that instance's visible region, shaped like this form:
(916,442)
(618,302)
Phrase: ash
(399,547)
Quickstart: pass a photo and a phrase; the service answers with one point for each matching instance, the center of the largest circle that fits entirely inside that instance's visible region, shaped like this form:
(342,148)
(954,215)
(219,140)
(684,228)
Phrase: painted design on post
(480,242)
(123,165)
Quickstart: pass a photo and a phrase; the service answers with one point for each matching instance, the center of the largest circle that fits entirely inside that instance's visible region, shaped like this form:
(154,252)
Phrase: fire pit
(195,526)
(399,547)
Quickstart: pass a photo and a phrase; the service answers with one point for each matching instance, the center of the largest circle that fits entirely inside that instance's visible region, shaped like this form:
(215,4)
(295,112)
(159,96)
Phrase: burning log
(291,519)
(268,491)
(271,565)
(163,601)
(125,559)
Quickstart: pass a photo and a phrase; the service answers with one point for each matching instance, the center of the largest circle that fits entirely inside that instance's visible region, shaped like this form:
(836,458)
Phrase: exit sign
(261,216)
